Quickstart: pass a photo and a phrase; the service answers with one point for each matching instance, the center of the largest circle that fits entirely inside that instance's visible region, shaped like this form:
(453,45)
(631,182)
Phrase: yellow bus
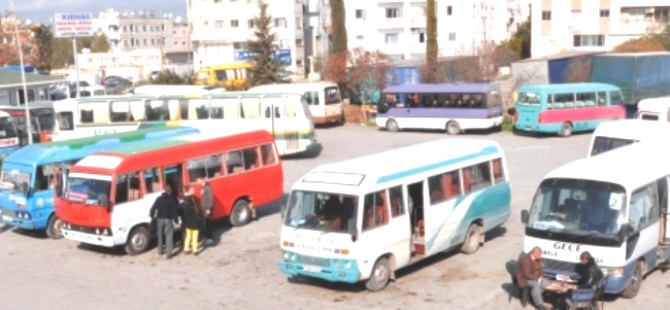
(232,76)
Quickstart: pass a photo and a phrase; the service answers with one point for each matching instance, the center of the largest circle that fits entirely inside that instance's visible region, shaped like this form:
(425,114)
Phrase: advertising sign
(282,55)
(68,25)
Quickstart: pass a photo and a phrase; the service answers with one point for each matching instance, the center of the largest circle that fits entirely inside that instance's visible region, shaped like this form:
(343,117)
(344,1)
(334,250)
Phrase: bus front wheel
(54,227)
(636,281)
(138,241)
(379,278)
(566,130)
(392,126)
(241,213)
(473,239)
(453,128)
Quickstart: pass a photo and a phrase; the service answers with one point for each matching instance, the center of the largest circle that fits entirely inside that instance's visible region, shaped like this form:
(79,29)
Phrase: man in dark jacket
(207,201)
(529,274)
(165,212)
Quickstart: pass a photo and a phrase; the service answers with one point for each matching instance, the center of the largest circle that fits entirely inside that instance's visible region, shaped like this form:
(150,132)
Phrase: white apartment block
(593,25)
(220,29)
(398,27)
(128,31)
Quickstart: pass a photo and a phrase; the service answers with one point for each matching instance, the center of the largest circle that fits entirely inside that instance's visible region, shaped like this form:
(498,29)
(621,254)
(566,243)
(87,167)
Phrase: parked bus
(175,90)
(9,136)
(654,109)
(609,205)
(283,115)
(232,76)
(26,184)
(365,218)
(615,134)
(108,195)
(323,98)
(452,107)
(567,108)
(41,120)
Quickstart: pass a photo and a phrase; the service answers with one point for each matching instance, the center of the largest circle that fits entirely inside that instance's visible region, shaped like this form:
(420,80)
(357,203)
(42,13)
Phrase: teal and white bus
(364,218)
(26,183)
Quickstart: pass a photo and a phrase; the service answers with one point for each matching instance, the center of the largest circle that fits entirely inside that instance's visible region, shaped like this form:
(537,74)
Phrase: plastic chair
(588,298)
(522,293)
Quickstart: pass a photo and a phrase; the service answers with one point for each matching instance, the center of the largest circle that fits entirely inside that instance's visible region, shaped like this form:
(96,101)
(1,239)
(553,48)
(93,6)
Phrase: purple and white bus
(453,107)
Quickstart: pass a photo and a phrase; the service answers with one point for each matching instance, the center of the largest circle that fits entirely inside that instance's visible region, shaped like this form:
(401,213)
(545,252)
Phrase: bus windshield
(87,190)
(577,208)
(14,179)
(318,211)
(7,127)
(529,98)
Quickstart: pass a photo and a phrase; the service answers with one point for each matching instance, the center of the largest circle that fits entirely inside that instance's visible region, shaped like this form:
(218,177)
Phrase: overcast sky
(43,10)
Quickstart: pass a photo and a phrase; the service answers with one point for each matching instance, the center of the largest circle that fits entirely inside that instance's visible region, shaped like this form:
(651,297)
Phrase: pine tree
(266,69)
(337,15)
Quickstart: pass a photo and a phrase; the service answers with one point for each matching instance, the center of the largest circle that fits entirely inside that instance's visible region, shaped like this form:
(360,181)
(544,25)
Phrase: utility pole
(29,128)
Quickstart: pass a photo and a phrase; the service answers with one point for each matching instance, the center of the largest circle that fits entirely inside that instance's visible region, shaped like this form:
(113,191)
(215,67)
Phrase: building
(128,31)
(220,30)
(38,86)
(593,25)
(398,27)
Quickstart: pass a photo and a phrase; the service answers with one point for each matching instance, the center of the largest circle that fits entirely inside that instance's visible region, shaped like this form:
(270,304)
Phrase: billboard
(282,55)
(69,25)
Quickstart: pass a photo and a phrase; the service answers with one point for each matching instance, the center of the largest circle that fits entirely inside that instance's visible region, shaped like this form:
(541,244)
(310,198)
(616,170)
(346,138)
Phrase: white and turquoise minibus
(614,206)
(614,134)
(365,218)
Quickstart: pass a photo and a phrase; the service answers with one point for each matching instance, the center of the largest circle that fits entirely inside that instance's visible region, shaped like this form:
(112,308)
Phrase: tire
(453,128)
(241,213)
(566,130)
(636,282)
(380,275)
(54,227)
(392,126)
(472,239)
(138,241)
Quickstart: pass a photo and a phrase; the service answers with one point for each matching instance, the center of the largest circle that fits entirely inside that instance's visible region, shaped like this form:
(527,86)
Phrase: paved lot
(242,272)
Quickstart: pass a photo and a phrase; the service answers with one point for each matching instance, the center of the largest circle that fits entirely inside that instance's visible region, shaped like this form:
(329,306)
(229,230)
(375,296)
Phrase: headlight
(347,265)
(287,256)
(106,232)
(613,272)
(97,231)
(294,257)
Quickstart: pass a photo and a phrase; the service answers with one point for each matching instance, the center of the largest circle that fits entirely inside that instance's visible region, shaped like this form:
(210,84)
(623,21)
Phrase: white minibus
(654,109)
(364,218)
(614,134)
(614,206)
(323,98)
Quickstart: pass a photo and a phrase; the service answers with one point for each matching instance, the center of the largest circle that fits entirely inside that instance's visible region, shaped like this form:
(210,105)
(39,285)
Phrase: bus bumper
(106,241)
(10,218)
(328,119)
(294,268)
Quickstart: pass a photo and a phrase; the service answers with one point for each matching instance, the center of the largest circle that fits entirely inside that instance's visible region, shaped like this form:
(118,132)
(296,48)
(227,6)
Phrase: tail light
(516,116)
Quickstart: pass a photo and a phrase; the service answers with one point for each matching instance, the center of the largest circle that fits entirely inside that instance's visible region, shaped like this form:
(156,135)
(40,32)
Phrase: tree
(430,73)
(169,77)
(335,69)
(100,44)
(338,17)
(61,51)
(43,38)
(644,44)
(367,73)
(266,69)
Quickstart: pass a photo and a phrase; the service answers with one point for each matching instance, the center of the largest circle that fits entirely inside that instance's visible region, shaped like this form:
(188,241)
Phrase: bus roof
(161,90)
(552,88)
(415,160)
(53,152)
(163,152)
(292,87)
(630,166)
(633,129)
(654,104)
(441,88)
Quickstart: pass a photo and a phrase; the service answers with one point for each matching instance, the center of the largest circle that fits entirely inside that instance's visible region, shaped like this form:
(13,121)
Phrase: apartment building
(220,30)
(593,25)
(127,31)
(398,27)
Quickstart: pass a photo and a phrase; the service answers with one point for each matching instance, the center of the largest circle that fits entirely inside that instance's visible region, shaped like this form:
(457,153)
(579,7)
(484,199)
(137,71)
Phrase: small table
(559,287)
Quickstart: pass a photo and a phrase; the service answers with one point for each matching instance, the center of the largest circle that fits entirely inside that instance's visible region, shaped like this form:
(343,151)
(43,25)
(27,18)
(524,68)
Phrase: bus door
(173,175)
(332,101)
(415,203)
(283,117)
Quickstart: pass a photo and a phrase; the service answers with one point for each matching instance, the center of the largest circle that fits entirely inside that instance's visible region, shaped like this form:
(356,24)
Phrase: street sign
(69,25)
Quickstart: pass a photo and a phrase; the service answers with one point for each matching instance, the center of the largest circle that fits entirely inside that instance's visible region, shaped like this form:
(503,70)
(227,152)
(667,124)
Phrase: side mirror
(525,216)
(624,231)
(351,228)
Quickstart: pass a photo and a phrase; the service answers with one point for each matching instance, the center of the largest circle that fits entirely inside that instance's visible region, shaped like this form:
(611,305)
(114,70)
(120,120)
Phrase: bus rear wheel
(138,241)
(473,239)
(241,213)
(453,128)
(636,281)
(566,130)
(54,228)
(392,126)
(380,275)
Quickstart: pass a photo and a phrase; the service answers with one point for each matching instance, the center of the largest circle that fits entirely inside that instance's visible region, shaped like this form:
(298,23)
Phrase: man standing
(529,274)
(165,212)
(207,200)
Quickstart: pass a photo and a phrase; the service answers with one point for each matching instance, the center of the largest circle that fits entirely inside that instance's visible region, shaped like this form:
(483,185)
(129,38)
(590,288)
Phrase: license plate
(311,268)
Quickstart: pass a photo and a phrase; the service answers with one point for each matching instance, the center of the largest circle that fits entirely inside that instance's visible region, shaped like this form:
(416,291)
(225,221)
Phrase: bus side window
(127,188)
(268,154)
(375,210)
(152,182)
(452,184)
(435,189)
(250,158)
(397,201)
(234,162)
(498,174)
(197,168)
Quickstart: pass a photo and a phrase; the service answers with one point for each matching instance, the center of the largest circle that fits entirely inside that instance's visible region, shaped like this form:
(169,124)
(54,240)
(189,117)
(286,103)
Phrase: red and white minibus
(107,196)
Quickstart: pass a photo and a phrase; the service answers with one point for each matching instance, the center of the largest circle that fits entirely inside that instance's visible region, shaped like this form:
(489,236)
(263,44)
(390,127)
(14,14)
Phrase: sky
(42,11)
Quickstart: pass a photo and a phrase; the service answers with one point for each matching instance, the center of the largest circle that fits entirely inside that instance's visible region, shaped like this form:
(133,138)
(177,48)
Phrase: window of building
(452,36)
(298,42)
(218,24)
(234,23)
(604,13)
(280,22)
(298,23)
(546,15)
(391,38)
(360,14)
(422,37)
(250,23)
(661,14)
(589,40)
(449,10)
(392,12)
